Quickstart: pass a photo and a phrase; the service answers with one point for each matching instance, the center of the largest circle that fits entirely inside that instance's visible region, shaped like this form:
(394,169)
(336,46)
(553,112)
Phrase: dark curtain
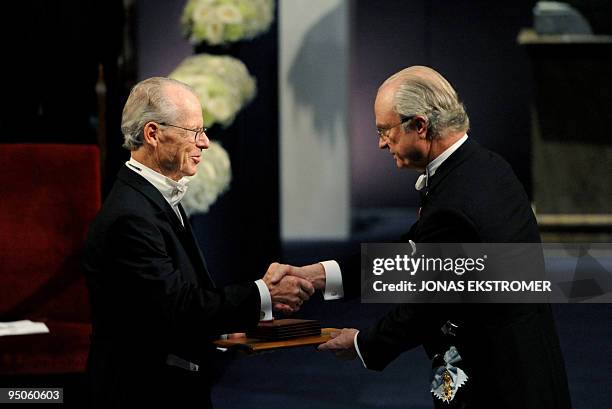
(53,52)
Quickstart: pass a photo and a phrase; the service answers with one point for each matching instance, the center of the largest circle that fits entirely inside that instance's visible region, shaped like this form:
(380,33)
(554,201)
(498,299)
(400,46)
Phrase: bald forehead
(386,91)
(385,99)
(177,90)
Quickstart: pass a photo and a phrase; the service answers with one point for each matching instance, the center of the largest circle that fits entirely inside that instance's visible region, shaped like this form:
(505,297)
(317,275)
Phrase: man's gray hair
(423,91)
(148,101)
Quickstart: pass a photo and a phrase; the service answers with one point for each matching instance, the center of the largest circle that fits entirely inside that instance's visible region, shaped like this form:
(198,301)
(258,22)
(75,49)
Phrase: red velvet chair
(49,194)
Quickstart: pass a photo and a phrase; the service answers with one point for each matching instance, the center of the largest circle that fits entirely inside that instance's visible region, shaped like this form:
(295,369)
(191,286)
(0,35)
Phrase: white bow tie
(421,182)
(178,192)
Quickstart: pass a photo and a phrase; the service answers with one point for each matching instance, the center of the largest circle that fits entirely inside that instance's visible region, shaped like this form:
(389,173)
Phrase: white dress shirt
(171,190)
(333,281)
(435,164)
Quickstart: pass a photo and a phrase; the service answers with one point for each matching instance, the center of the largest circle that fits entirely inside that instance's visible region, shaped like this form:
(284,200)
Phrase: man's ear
(420,125)
(151,133)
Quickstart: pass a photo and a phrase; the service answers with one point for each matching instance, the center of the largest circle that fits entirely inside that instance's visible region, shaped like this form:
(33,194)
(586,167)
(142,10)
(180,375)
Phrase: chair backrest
(49,194)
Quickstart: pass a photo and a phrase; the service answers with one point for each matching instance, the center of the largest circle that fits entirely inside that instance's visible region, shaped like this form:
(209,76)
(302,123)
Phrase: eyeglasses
(197,132)
(384,132)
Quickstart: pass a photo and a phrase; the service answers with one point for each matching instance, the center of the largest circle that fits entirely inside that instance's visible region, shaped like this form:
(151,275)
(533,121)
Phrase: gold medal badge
(448,378)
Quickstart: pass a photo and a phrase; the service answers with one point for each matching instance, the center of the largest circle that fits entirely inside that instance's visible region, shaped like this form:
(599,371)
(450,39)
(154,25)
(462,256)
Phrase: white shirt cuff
(357,349)
(265,313)
(333,280)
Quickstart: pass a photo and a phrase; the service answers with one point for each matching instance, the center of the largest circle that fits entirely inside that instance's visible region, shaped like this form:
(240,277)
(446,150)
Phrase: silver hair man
(423,91)
(147,102)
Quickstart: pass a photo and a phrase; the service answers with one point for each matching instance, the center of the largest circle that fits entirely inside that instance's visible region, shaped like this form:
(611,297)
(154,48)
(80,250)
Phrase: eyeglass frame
(198,131)
(384,132)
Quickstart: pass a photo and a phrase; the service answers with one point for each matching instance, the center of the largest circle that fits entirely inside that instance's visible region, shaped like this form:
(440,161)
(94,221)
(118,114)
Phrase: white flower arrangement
(219,22)
(211,180)
(222,83)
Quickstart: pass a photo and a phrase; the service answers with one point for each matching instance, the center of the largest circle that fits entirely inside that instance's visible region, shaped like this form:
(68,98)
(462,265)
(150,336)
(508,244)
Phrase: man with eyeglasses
(155,309)
(509,353)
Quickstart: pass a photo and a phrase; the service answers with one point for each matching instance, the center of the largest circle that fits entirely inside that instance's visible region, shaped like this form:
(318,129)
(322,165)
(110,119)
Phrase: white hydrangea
(212,179)
(225,21)
(223,85)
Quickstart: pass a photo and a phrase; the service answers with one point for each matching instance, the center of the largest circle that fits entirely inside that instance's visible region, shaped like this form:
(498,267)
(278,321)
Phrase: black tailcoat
(151,296)
(510,352)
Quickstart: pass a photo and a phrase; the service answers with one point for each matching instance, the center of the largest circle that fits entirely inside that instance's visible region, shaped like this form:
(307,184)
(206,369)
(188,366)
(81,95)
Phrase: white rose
(229,14)
(223,85)
(212,179)
(214,32)
(220,108)
(203,13)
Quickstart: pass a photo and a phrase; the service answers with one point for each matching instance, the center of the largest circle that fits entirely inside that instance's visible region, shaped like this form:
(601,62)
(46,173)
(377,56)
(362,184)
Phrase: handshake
(290,286)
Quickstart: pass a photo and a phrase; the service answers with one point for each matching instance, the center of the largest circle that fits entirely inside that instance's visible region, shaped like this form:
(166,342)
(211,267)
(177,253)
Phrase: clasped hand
(290,286)
(288,292)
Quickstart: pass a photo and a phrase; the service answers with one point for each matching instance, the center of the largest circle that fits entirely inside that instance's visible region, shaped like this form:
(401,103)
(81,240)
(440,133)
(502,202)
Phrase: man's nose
(382,143)
(203,142)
